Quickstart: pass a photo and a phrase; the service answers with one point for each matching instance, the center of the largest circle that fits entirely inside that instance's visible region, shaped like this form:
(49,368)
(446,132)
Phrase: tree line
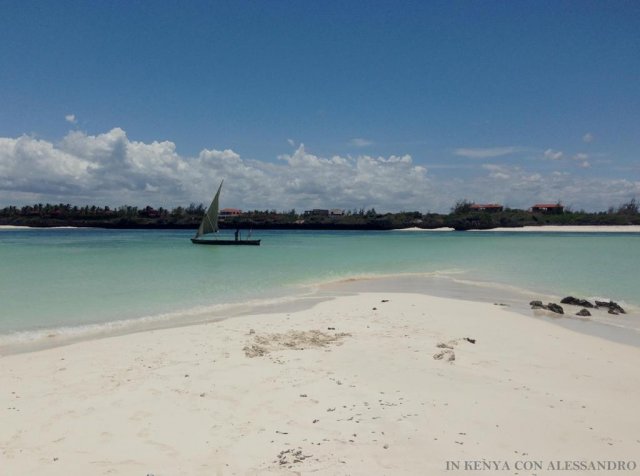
(461,217)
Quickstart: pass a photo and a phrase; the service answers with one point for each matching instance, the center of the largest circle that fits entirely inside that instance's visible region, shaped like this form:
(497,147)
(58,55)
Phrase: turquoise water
(75,277)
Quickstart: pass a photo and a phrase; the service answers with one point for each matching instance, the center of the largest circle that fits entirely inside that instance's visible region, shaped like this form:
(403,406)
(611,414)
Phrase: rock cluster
(614,307)
(611,306)
(549,307)
(576,302)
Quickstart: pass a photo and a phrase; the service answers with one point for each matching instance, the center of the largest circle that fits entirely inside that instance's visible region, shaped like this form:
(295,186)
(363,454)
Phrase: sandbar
(361,384)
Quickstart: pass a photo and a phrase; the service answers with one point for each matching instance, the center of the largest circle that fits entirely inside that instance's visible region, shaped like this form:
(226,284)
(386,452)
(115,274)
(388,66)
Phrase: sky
(395,105)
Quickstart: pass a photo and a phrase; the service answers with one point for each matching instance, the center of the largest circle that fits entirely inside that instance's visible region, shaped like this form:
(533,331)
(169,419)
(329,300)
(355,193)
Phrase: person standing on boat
(237,233)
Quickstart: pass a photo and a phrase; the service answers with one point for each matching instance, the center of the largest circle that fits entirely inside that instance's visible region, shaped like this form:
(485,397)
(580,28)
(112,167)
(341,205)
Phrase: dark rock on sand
(469,339)
(583,312)
(613,306)
(617,307)
(549,307)
(576,302)
(552,306)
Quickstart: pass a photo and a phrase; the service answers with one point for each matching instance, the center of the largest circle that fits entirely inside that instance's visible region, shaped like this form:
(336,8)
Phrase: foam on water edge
(449,284)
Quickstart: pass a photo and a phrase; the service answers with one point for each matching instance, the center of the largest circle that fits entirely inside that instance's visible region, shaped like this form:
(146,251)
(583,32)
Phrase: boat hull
(200,241)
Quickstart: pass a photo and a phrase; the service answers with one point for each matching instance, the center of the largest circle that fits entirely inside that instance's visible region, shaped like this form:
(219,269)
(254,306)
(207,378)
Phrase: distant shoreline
(462,218)
(329,227)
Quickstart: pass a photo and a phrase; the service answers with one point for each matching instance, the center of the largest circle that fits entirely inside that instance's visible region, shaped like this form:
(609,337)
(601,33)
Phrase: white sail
(209,222)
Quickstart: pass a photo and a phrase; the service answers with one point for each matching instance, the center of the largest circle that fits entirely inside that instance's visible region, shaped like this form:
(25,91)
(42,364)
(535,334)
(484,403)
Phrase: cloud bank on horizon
(111,169)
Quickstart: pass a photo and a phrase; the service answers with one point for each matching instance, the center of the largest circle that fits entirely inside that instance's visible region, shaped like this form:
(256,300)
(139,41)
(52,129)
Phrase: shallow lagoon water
(70,278)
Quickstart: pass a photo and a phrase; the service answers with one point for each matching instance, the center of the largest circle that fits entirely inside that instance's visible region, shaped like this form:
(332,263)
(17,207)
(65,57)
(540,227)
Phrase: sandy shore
(547,228)
(573,229)
(349,386)
(415,228)
(20,227)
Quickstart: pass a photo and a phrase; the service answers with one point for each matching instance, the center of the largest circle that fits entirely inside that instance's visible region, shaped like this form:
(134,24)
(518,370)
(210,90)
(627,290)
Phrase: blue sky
(424,102)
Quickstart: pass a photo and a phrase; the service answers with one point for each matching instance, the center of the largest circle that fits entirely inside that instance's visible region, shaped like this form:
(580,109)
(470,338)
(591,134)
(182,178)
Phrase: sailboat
(209,225)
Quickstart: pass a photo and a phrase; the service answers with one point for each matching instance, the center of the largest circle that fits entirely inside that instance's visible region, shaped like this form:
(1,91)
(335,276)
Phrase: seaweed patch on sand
(296,340)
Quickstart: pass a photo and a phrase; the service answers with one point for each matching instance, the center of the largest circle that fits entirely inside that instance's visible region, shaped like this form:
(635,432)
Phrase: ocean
(61,283)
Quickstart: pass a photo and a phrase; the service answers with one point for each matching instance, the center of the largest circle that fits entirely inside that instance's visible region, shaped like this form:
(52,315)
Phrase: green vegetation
(462,217)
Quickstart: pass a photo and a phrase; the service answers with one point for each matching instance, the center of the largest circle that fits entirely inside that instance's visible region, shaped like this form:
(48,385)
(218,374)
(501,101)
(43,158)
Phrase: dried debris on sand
(298,340)
(291,456)
(448,354)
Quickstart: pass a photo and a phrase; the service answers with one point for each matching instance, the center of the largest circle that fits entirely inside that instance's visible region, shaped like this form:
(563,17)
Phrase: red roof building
(548,208)
(229,212)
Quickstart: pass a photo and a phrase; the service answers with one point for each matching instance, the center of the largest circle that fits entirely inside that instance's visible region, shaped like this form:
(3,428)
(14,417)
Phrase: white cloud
(553,154)
(359,142)
(583,159)
(111,169)
(580,157)
(588,137)
(497,171)
(485,153)
(71,118)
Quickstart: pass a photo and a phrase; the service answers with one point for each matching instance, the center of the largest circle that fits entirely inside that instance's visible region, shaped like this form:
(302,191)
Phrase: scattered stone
(251,332)
(553,307)
(202,394)
(331,328)
(583,312)
(303,395)
(576,302)
(316,420)
(469,339)
(537,305)
(374,309)
(385,446)
(385,300)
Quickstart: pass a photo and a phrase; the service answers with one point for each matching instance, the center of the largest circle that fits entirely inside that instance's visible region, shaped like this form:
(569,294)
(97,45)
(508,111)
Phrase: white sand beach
(573,229)
(547,228)
(349,386)
(21,227)
(15,227)
(415,228)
